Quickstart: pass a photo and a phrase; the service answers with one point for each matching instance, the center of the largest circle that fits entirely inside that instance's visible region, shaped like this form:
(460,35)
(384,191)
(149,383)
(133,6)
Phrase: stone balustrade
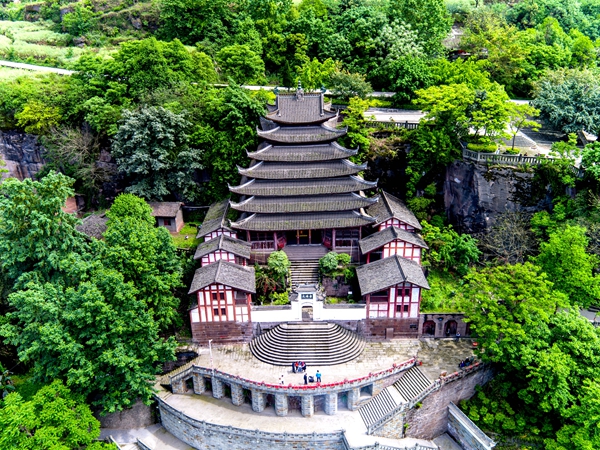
(375,382)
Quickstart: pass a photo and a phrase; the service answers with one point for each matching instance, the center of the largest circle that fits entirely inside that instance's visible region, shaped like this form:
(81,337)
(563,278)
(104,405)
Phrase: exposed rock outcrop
(22,153)
(475,194)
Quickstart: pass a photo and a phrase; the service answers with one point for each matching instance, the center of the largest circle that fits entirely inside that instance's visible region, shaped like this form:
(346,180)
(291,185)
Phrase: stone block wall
(138,416)
(376,329)
(431,419)
(206,436)
(394,429)
(440,324)
(221,332)
(465,432)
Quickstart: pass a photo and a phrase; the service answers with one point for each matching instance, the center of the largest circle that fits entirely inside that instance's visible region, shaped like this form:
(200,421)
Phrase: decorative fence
(514,160)
(407,125)
(434,386)
(315,389)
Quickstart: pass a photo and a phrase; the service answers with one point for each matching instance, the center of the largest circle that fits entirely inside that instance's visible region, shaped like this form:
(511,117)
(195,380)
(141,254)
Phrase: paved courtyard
(437,355)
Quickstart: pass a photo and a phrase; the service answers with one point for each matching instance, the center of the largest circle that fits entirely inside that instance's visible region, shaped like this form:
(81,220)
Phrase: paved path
(438,355)
(16,65)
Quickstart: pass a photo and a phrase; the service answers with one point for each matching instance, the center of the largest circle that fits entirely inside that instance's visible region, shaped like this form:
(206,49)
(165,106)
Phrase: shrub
(279,298)
(334,265)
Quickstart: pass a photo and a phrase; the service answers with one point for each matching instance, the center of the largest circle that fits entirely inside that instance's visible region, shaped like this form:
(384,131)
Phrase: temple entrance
(429,328)
(450,328)
(307,314)
(304,237)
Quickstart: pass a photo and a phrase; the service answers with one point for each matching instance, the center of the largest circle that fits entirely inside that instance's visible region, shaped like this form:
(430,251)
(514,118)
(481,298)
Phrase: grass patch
(445,295)
(190,230)
(7,73)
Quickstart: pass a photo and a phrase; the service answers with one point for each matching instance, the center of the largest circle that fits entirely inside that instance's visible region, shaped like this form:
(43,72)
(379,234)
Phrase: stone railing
(437,384)
(142,445)
(378,446)
(312,389)
(513,160)
(406,124)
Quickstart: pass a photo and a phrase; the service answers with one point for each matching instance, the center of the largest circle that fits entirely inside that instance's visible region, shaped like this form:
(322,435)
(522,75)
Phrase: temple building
(302,194)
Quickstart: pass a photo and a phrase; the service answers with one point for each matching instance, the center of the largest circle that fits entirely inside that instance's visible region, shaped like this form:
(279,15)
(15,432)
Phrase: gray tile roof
(389,207)
(387,235)
(165,209)
(337,202)
(216,218)
(301,153)
(226,273)
(286,171)
(317,186)
(294,111)
(303,221)
(300,135)
(225,243)
(387,272)
(93,226)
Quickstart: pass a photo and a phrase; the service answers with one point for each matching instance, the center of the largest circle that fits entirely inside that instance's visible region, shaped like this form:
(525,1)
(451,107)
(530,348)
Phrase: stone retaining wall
(431,419)
(465,432)
(206,436)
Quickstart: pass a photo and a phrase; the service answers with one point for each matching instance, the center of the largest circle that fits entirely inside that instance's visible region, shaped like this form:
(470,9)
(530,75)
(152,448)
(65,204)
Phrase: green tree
(520,115)
(151,147)
(450,250)
(354,119)
(78,22)
(590,159)
(569,101)
(145,255)
(314,74)
(241,64)
(279,265)
(38,118)
(346,85)
(53,419)
(6,384)
(569,266)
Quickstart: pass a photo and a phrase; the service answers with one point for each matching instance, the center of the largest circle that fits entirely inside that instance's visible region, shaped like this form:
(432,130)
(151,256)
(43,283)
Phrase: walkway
(17,65)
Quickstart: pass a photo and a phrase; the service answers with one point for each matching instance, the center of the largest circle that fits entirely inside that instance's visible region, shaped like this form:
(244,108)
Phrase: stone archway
(450,328)
(307,313)
(429,328)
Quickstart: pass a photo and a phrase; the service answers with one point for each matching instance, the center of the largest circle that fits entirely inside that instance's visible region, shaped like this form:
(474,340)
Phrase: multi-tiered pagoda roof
(300,178)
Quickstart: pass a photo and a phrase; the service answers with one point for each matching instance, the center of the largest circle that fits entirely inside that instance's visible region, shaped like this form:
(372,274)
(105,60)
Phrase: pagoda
(301,187)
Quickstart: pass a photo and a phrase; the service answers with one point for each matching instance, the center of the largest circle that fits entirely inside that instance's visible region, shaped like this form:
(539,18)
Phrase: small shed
(168,215)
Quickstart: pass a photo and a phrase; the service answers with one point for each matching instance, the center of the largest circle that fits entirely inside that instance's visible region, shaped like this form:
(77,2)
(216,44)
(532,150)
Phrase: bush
(334,265)
(279,298)
(486,148)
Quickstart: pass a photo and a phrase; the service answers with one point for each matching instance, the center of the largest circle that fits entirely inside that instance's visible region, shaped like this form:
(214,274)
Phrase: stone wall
(138,416)
(207,436)
(474,194)
(441,320)
(431,419)
(380,329)
(22,154)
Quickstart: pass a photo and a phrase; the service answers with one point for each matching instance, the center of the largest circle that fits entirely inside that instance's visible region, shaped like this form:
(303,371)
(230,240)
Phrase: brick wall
(376,329)
(221,332)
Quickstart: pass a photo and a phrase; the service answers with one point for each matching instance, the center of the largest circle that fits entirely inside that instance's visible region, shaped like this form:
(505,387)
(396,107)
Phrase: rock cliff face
(475,194)
(22,154)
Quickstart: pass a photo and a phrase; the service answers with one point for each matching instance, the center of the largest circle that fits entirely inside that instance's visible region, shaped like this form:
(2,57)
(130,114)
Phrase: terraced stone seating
(412,383)
(316,343)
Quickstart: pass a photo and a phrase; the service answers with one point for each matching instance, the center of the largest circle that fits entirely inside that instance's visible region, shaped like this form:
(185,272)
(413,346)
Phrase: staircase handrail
(295,389)
(434,386)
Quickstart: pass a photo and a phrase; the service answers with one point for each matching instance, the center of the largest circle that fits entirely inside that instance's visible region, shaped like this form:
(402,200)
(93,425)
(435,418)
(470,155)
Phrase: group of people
(309,379)
(466,362)
(298,366)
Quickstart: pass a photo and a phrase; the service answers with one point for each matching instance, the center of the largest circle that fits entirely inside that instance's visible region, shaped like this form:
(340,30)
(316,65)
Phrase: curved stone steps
(316,343)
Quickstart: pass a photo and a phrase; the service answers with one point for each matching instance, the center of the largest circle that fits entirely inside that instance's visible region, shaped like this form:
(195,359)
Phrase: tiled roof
(215,218)
(165,209)
(316,186)
(301,153)
(93,226)
(287,171)
(391,207)
(382,274)
(226,273)
(294,111)
(339,202)
(387,235)
(225,243)
(302,221)
(300,135)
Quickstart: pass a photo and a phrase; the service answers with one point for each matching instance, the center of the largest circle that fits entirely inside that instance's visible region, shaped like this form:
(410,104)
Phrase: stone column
(237,394)
(331,403)
(199,384)
(308,405)
(258,401)
(353,396)
(178,386)
(377,387)
(281,404)
(217,388)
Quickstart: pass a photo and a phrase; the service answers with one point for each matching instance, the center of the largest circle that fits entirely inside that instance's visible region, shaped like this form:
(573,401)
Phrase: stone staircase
(412,383)
(316,343)
(305,272)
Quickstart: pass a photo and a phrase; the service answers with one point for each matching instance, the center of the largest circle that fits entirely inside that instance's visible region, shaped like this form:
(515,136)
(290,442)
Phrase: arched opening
(307,313)
(468,329)
(429,328)
(450,328)
(189,385)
